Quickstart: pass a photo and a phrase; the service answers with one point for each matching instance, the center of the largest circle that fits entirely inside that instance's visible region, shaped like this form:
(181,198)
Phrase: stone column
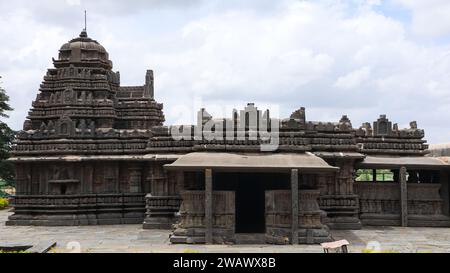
(344,213)
(208,207)
(403,197)
(294,191)
(445,191)
(135,180)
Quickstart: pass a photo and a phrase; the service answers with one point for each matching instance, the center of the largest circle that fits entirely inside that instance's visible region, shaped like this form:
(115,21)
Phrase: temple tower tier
(79,158)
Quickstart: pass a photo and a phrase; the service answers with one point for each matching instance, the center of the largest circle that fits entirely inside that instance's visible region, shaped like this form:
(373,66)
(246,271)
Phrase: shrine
(93,152)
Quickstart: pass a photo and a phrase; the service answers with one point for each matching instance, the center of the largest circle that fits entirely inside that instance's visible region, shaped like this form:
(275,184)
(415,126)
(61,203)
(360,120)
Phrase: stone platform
(134,239)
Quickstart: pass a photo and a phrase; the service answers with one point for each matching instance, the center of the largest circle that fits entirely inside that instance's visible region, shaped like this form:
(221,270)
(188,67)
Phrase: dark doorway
(250,191)
(250,206)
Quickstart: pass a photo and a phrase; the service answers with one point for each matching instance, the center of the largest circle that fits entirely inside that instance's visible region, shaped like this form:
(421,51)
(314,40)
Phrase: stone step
(42,247)
(250,238)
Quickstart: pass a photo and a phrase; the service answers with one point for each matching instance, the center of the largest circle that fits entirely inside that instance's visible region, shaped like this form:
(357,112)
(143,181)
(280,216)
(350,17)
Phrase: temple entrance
(230,195)
(250,206)
(250,191)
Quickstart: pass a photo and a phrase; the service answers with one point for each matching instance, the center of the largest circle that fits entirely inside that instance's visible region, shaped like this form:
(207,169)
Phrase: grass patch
(3,203)
(190,251)
(379,251)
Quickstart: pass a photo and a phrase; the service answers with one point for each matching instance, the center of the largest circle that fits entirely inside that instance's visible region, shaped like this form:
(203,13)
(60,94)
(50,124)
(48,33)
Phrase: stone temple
(93,152)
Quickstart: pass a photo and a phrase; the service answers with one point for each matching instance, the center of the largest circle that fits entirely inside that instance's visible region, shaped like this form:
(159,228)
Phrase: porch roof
(345,155)
(80,158)
(412,162)
(259,162)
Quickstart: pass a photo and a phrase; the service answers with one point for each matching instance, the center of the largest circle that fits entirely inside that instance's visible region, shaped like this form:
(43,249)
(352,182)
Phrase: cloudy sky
(362,58)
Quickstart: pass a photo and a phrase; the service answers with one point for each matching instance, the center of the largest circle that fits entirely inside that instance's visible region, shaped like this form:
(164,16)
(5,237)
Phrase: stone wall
(311,229)
(191,228)
(74,210)
(380,204)
(82,193)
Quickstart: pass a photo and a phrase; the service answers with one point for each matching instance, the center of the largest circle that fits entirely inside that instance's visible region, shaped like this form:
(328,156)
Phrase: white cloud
(429,18)
(353,79)
(73,2)
(374,2)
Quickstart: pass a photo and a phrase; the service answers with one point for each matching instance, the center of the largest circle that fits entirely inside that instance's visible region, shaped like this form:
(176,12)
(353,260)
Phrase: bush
(3,203)
(3,194)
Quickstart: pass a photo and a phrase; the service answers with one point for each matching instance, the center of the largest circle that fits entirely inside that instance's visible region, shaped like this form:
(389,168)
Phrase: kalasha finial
(84,32)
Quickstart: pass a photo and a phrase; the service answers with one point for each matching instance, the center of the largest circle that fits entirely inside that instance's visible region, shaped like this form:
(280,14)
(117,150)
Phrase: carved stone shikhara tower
(94,152)
(82,98)
(78,139)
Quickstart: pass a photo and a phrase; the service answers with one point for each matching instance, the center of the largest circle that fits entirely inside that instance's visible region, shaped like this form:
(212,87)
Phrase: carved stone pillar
(311,230)
(208,207)
(281,217)
(294,192)
(404,197)
(163,202)
(341,203)
(161,211)
(191,228)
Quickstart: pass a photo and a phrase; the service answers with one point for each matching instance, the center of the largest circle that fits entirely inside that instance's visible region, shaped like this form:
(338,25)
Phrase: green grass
(190,251)
(367,176)
(13,252)
(368,251)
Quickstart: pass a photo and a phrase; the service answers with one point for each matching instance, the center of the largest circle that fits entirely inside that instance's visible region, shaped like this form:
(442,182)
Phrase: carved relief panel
(63,179)
(382,127)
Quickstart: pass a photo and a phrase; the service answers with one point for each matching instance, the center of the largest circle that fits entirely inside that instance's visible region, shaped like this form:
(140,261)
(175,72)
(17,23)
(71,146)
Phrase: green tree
(7,136)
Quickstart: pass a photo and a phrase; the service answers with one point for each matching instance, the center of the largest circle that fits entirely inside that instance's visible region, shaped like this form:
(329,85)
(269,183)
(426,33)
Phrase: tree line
(7,136)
